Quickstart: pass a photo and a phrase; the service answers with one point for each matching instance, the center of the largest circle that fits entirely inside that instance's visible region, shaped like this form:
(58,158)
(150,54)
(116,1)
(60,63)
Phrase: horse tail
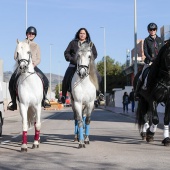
(141,113)
(31,117)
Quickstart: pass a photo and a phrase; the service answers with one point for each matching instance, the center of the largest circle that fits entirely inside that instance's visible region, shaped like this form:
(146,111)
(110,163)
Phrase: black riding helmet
(152,26)
(32,30)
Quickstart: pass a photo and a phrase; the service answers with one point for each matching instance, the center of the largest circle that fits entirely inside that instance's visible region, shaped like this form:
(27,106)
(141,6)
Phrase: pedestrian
(152,45)
(125,102)
(132,99)
(82,36)
(31,33)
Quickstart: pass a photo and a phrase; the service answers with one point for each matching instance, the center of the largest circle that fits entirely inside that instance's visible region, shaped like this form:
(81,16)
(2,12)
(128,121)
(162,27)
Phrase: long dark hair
(87,34)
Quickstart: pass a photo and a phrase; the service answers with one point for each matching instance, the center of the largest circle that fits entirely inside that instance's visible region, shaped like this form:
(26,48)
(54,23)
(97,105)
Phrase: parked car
(1,109)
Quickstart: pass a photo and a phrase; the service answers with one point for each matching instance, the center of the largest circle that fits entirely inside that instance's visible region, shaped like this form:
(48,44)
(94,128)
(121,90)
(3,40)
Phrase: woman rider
(81,36)
(31,33)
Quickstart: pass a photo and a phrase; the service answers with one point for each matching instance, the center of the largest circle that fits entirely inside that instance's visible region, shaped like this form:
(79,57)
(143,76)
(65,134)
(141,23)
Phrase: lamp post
(50,70)
(26,14)
(135,39)
(104,45)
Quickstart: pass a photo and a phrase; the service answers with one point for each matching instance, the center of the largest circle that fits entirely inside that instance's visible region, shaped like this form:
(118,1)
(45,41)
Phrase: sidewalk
(119,110)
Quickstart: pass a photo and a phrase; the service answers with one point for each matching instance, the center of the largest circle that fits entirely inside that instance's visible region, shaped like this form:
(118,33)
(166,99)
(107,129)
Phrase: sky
(57,22)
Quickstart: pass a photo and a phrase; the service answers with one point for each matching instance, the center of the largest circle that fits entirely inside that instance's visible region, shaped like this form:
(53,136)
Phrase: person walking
(125,102)
(31,33)
(152,45)
(132,99)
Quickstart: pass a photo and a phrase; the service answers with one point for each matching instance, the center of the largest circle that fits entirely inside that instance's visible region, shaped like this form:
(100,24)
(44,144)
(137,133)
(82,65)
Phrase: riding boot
(138,86)
(66,82)
(44,103)
(12,84)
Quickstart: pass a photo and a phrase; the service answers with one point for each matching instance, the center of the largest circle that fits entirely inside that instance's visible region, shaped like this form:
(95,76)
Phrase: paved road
(114,144)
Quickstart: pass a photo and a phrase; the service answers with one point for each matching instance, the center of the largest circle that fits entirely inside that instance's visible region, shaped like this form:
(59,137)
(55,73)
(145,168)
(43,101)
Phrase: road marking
(5,142)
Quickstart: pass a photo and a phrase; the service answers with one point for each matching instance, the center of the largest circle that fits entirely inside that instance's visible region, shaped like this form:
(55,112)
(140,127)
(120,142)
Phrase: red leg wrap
(24,137)
(37,135)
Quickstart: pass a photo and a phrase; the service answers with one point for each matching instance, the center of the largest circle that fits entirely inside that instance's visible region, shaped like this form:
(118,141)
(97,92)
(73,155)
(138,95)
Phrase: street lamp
(135,39)
(50,70)
(104,43)
(26,14)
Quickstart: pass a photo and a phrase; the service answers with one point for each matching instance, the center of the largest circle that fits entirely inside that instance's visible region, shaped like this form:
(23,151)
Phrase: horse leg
(76,130)
(81,135)
(87,122)
(166,140)
(24,127)
(144,129)
(37,126)
(87,129)
(155,120)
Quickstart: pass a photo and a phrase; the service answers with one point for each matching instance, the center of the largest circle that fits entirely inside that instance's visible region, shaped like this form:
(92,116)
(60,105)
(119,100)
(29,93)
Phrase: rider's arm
(67,52)
(36,55)
(145,48)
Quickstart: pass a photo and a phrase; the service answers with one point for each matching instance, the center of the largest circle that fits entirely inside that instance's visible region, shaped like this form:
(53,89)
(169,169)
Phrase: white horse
(83,88)
(30,93)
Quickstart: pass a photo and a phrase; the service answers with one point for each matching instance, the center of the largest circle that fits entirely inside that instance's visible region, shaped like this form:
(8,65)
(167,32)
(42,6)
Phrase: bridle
(85,67)
(27,62)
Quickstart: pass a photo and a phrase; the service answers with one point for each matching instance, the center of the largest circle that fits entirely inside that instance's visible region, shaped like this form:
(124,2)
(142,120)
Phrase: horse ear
(17,41)
(91,44)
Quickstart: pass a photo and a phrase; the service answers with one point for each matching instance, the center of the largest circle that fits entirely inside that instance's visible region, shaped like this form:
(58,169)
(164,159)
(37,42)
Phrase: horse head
(23,55)
(84,57)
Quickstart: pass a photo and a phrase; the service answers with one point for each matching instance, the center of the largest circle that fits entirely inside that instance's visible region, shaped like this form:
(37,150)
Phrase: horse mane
(92,73)
(155,67)
(92,66)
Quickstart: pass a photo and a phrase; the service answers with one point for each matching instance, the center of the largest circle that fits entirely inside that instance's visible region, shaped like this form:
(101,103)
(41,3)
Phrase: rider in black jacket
(152,45)
(81,36)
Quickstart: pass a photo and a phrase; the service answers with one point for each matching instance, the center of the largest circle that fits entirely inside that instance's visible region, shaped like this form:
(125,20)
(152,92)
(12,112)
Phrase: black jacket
(71,50)
(151,48)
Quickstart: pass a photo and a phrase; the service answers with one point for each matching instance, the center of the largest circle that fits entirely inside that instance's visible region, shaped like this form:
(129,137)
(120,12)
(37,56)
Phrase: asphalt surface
(115,143)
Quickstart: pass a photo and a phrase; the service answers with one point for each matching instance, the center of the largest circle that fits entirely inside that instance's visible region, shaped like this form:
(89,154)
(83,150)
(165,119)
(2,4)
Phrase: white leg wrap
(145,127)
(153,128)
(166,131)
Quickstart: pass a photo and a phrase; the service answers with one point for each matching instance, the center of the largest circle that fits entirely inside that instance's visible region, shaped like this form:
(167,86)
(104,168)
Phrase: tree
(57,90)
(114,75)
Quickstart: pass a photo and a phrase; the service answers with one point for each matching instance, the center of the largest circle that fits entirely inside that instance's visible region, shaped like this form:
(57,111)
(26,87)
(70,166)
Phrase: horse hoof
(166,141)
(86,142)
(149,138)
(143,135)
(35,146)
(81,146)
(23,149)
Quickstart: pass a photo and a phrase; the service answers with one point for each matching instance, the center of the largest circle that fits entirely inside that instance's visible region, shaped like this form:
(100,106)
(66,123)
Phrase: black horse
(158,91)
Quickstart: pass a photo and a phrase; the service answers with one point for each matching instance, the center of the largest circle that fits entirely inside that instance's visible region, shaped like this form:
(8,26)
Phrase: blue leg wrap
(76,127)
(81,136)
(87,130)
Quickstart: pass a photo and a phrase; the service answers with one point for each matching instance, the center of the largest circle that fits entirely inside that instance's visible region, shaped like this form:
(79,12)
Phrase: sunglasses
(30,33)
(152,30)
